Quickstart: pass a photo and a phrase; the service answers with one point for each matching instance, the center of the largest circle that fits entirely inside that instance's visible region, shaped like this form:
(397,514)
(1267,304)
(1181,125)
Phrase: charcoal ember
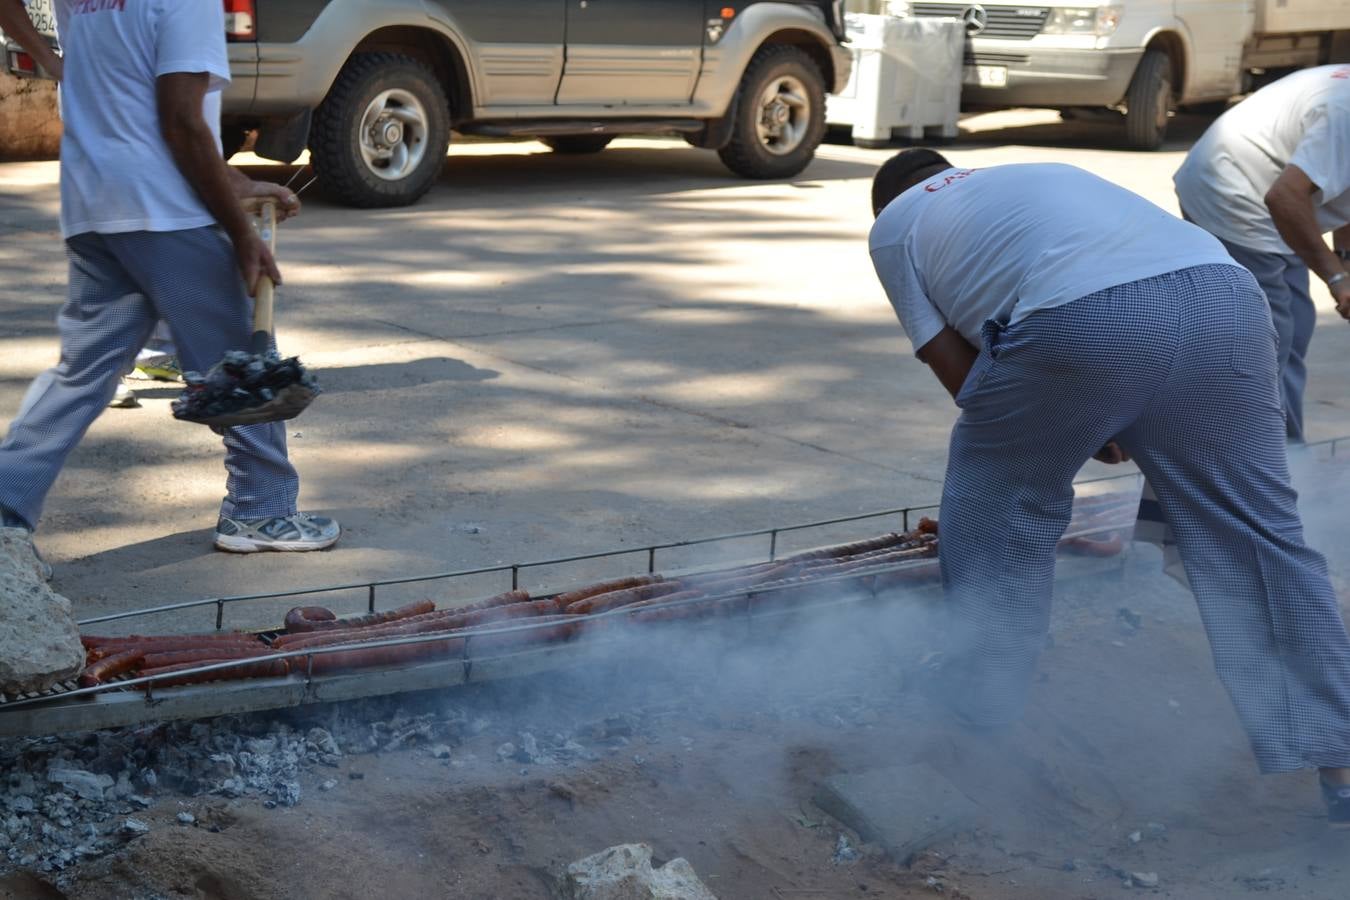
(261,746)
(80,782)
(285,793)
(530,752)
(421,729)
(134,827)
(231,787)
(21,782)
(122,789)
(844,851)
(240,380)
(218,766)
(322,742)
(21,803)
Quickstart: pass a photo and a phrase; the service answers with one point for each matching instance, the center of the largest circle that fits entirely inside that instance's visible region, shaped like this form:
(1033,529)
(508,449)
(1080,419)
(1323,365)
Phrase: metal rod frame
(1332,445)
(773,534)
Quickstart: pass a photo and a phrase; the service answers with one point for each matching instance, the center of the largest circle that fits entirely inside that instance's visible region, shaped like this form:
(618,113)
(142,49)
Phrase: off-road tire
(577,144)
(1148,101)
(334,144)
(745,154)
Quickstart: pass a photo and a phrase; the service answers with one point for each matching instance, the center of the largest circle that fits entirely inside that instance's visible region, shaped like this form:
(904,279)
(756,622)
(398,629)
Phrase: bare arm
(1340,238)
(14,22)
(950,356)
(1290,201)
(179,99)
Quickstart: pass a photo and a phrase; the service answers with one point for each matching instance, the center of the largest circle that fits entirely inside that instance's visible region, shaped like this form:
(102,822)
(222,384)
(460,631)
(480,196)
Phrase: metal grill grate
(1010,22)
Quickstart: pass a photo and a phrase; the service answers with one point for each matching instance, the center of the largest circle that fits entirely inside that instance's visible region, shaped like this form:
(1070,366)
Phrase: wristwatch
(1337,279)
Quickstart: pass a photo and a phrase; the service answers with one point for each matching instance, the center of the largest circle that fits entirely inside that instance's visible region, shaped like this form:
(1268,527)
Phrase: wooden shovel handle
(264,301)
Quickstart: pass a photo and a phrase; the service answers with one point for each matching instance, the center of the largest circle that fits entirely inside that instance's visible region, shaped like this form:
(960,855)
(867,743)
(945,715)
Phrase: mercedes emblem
(976,19)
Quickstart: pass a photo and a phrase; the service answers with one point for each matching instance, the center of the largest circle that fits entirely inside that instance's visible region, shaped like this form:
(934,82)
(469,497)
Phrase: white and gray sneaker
(295,534)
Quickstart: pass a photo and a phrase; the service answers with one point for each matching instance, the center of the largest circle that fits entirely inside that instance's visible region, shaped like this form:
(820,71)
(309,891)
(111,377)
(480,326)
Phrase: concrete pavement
(548,355)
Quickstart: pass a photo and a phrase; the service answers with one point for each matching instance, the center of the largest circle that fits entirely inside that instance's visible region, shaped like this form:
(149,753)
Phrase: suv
(374,87)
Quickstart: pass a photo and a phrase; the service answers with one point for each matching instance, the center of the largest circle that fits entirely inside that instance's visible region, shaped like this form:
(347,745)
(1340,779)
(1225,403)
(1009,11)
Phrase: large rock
(625,873)
(39,642)
(30,127)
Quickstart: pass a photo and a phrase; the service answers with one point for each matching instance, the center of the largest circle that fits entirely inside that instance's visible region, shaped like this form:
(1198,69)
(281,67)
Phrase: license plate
(40,11)
(986,76)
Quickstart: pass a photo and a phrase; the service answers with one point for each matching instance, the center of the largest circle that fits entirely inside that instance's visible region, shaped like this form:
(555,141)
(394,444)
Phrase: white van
(1144,57)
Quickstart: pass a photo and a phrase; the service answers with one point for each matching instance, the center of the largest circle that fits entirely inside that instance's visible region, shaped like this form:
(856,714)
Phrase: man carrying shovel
(154,229)
(1055,353)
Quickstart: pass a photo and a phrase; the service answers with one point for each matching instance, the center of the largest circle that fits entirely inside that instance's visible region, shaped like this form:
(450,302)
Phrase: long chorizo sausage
(117,664)
(729,585)
(698,578)
(158,660)
(364,658)
(605,587)
(647,605)
(516,596)
(267,668)
(876,543)
(539,630)
(309,625)
(615,599)
(423,625)
(307,618)
(164,641)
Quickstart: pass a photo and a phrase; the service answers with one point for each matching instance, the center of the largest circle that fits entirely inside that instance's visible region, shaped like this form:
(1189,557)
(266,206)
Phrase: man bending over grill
(1162,349)
(154,229)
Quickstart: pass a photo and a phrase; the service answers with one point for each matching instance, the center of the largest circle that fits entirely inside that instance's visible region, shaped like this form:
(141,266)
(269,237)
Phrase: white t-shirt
(969,245)
(1303,119)
(117,173)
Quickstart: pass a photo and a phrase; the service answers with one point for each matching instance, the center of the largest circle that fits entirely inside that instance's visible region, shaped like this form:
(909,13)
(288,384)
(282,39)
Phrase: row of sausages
(484,628)
(551,619)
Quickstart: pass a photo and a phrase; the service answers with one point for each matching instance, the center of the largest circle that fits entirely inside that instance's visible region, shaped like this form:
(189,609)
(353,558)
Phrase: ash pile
(77,797)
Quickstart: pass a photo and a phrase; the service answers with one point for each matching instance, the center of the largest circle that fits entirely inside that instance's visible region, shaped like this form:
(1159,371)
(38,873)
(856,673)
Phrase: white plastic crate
(906,78)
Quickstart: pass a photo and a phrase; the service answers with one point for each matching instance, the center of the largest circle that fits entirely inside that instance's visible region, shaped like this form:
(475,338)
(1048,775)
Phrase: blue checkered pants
(1284,279)
(1181,370)
(120,284)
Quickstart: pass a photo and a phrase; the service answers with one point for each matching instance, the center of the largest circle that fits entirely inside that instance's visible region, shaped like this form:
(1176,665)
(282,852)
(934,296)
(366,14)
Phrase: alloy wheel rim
(784,115)
(393,134)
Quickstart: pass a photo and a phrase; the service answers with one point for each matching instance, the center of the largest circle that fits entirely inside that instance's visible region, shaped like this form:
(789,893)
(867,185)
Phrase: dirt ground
(552,356)
(721,749)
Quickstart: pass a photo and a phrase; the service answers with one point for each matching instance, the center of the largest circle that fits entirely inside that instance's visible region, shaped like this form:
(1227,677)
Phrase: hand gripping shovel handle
(264,301)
